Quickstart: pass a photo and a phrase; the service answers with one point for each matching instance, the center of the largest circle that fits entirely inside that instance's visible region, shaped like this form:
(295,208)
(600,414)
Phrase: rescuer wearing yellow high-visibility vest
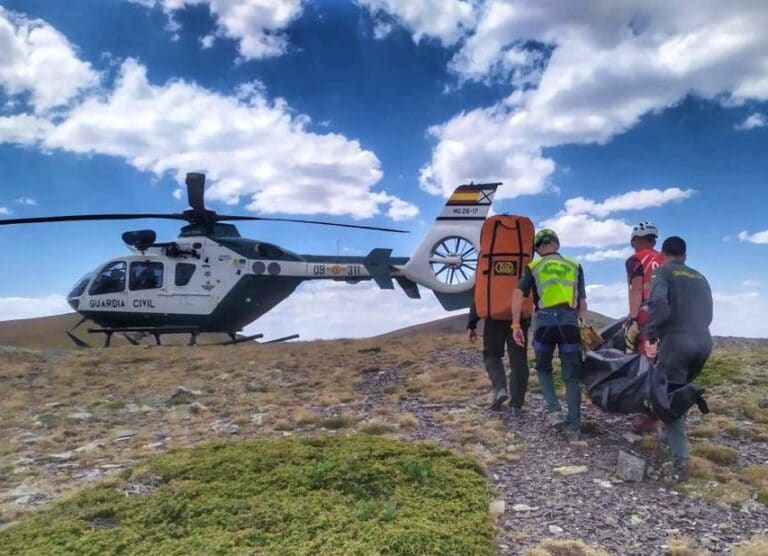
(558,289)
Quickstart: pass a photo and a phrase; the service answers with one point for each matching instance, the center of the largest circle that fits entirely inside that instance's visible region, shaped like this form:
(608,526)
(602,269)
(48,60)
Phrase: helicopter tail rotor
(446,260)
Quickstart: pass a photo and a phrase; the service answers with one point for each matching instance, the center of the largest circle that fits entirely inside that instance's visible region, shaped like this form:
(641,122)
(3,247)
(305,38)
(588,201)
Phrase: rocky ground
(72,419)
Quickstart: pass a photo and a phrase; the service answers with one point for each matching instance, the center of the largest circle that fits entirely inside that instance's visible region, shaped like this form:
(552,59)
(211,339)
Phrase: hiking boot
(556,419)
(499,397)
(515,412)
(680,472)
(644,424)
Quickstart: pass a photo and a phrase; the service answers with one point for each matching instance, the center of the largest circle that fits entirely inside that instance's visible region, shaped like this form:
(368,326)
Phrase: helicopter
(212,280)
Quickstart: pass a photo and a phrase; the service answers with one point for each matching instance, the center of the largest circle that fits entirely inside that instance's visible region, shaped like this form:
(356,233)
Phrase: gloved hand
(631,333)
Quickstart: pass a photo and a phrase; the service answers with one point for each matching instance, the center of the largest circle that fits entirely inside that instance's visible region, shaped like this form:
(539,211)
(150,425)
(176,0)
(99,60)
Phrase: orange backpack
(506,248)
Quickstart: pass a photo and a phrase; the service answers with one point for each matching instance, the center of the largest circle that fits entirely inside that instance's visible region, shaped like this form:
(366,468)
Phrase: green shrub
(327,495)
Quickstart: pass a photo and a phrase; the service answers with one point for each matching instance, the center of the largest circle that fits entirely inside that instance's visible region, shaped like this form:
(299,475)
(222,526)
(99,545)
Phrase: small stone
(125,434)
(257,418)
(635,520)
(23,461)
(497,507)
(154,445)
(630,467)
(631,437)
(223,425)
(69,455)
(182,396)
(80,416)
(707,543)
(611,521)
(90,447)
(555,530)
(522,508)
(568,470)
(603,484)
(197,408)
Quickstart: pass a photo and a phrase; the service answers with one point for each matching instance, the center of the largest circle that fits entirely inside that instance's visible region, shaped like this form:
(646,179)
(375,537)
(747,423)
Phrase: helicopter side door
(190,291)
(147,284)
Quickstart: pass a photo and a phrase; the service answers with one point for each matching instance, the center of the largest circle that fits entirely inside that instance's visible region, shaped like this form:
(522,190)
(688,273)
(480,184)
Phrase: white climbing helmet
(644,229)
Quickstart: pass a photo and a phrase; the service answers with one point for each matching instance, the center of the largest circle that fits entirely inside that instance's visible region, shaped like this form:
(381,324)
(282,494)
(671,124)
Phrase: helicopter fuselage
(216,284)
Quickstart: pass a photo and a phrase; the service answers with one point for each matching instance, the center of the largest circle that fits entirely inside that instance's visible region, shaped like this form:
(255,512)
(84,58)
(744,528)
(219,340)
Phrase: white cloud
(401,210)
(36,59)
(751,283)
(753,121)
(607,254)
(249,146)
(32,307)
(740,314)
(24,129)
(444,20)
(207,41)
(5,210)
(577,226)
(326,309)
(609,299)
(611,63)
(757,237)
(632,200)
(256,25)
(735,314)
(581,230)
(29,201)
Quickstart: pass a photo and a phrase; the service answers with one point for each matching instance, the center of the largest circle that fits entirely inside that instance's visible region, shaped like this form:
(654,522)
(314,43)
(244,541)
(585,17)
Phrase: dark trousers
(559,328)
(682,356)
(496,335)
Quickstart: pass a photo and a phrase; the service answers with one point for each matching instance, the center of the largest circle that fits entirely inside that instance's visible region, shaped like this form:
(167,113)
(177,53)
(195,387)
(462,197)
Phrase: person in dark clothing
(497,334)
(557,283)
(680,313)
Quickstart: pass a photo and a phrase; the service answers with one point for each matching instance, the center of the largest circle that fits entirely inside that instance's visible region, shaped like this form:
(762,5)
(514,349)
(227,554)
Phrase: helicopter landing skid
(157,332)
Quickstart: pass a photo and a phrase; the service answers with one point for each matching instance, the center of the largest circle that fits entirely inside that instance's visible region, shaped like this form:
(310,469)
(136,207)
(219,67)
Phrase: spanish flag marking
(464,197)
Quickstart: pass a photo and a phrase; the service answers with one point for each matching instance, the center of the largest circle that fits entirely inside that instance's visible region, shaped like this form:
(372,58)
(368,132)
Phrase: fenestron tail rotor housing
(453,260)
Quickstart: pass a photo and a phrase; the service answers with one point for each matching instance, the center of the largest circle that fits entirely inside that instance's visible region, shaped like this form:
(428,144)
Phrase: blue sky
(373,111)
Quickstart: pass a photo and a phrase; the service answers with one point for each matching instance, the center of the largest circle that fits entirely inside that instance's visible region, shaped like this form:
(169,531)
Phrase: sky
(594,116)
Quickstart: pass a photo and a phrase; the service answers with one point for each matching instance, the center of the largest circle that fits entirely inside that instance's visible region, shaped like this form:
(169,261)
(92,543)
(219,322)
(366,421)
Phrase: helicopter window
(80,286)
(111,279)
(184,272)
(269,251)
(146,275)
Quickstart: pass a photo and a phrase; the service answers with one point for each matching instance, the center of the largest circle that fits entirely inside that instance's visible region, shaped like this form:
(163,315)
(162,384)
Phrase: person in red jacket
(640,267)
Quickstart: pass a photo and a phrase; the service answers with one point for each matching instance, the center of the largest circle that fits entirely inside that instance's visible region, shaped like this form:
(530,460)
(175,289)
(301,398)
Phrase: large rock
(630,467)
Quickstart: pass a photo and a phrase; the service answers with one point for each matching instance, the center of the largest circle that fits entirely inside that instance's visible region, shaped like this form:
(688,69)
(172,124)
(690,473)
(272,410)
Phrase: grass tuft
(716,453)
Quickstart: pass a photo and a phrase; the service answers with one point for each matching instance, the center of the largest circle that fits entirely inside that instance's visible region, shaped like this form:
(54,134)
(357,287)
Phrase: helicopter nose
(74,302)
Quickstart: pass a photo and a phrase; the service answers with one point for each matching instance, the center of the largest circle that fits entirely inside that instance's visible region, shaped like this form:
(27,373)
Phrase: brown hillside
(457,324)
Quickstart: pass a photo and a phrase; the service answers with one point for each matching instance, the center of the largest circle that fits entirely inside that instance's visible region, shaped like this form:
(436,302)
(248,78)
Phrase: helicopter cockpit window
(146,275)
(269,251)
(111,279)
(184,272)
(80,286)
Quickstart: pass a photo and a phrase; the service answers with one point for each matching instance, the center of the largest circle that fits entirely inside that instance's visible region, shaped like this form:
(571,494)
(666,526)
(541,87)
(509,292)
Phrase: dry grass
(552,547)
(683,546)
(758,546)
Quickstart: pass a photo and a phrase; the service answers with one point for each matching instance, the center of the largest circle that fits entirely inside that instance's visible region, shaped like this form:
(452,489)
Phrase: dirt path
(593,506)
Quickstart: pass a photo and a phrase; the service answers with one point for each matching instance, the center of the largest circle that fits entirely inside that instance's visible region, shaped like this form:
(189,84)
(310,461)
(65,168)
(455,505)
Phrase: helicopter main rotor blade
(85,217)
(196,191)
(219,218)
